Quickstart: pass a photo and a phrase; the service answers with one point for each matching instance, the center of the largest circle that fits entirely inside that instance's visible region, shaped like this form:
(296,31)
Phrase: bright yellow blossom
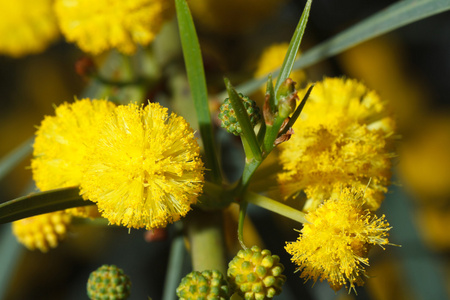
(144,170)
(61,143)
(100,25)
(340,140)
(26,26)
(272,58)
(42,231)
(333,245)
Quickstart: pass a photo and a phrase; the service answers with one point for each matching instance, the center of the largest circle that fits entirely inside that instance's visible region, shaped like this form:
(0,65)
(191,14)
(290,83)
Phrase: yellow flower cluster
(333,245)
(140,165)
(26,27)
(62,140)
(43,231)
(144,170)
(61,144)
(340,140)
(100,25)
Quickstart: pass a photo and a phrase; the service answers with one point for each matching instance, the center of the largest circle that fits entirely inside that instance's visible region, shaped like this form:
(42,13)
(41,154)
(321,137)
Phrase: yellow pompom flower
(334,243)
(272,59)
(26,27)
(96,26)
(61,143)
(341,139)
(42,231)
(145,169)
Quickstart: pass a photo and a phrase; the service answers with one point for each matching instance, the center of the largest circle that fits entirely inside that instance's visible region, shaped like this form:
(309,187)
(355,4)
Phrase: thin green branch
(275,206)
(294,45)
(197,82)
(41,203)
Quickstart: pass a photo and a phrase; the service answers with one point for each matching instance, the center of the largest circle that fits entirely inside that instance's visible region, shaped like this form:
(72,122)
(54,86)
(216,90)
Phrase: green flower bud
(287,98)
(108,283)
(256,274)
(229,119)
(204,285)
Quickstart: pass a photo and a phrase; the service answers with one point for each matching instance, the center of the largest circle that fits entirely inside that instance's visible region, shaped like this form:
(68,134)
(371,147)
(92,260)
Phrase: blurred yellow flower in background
(26,27)
(144,170)
(42,231)
(61,144)
(97,26)
(272,58)
(232,16)
(340,140)
(334,243)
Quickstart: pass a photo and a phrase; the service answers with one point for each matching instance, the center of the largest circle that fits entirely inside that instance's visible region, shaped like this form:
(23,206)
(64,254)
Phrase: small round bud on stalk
(203,285)
(229,119)
(108,282)
(287,98)
(256,274)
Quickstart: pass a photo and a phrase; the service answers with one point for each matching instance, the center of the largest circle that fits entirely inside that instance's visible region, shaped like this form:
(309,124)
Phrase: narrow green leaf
(395,16)
(244,121)
(15,157)
(40,203)
(197,82)
(294,45)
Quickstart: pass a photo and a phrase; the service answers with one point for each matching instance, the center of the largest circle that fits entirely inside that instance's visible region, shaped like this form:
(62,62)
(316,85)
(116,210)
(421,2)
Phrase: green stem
(242,213)
(275,206)
(175,266)
(205,233)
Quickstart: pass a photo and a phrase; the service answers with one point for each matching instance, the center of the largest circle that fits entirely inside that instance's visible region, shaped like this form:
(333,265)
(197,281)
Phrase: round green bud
(229,119)
(203,285)
(108,283)
(256,274)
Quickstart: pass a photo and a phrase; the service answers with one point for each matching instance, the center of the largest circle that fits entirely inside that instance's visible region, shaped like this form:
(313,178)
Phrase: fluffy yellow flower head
(333,245)
(61,143)
(145,169)
(26,26)
(42,231)
(272,58)
(100,25)
(341,139)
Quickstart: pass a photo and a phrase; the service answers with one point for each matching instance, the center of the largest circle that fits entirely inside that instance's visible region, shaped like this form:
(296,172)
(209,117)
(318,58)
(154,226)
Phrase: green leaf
(294,45)
(397,15)
(248,134)
(41,203)
(15,157)
(197,82)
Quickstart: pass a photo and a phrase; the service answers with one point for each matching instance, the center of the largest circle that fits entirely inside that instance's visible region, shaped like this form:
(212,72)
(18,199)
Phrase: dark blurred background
(410,67)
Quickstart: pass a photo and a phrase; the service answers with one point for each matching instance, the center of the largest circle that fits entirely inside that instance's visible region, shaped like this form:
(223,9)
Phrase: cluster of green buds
(253,274)
(228,116)
(256,274)
(108,283)
(204,285)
